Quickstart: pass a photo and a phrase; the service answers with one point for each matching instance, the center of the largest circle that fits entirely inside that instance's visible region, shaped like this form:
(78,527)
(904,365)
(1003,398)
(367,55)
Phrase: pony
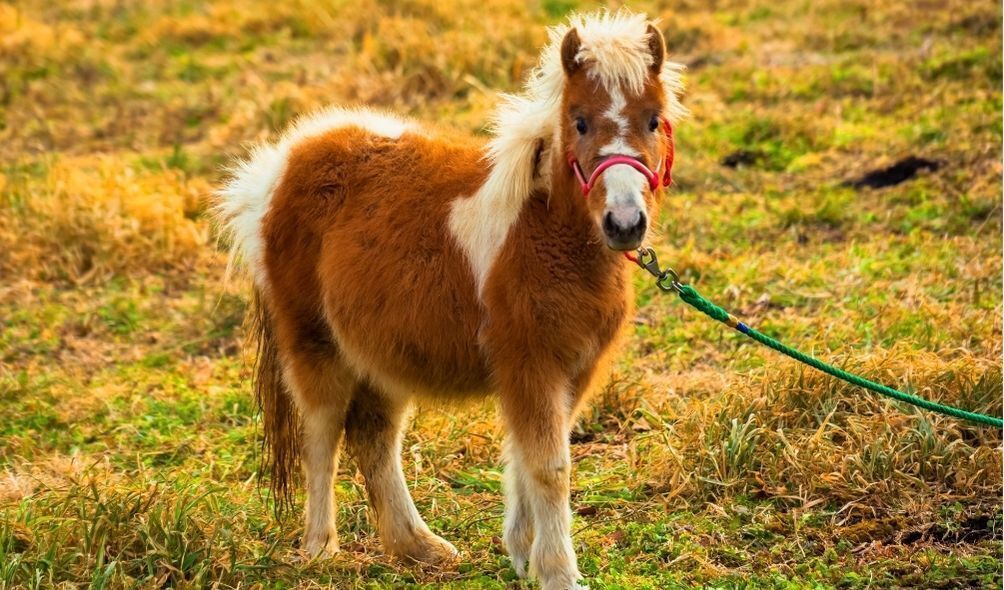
(393,262)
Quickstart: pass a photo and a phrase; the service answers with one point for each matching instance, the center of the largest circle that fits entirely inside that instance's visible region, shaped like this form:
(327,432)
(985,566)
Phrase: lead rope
(667,280)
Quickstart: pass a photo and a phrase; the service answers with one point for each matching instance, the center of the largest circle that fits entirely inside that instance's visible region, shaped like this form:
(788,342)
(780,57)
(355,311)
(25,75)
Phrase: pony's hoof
(320,546)
(429,549)
(519,563)
(573,585)
(569,579)
(518,547)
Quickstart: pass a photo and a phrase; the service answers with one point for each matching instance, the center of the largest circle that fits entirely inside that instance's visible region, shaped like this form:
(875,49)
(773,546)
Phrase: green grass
(128,441)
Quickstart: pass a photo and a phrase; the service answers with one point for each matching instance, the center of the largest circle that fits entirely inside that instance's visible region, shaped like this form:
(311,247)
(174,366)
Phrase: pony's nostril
(609,225)
(641,223)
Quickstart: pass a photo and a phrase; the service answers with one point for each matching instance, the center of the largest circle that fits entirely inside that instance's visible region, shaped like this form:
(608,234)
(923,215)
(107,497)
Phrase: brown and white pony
(393,263)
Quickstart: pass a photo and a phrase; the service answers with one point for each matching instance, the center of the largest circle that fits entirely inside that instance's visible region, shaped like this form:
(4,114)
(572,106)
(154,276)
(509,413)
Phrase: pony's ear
(657,47)
(569,50)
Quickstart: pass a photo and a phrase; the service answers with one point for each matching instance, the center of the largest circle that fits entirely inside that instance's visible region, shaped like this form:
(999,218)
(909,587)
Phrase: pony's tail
(280,446)
(240,206)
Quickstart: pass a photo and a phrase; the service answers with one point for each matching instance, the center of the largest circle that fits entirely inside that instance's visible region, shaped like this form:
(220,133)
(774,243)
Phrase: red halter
(652,177)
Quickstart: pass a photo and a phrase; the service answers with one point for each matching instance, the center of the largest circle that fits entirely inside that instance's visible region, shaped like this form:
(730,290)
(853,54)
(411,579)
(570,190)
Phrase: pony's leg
(322,388)
(517,530)
(538,416)
(374,429)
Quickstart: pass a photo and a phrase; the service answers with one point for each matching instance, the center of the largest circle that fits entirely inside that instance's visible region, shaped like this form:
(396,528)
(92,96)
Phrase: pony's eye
(653,123)
(580,125)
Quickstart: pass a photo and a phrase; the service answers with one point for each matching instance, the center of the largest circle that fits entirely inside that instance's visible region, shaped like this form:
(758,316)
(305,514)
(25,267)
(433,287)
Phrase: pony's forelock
(614,49)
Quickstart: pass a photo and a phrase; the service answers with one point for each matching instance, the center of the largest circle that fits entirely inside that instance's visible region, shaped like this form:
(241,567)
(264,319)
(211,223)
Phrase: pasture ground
(127,431)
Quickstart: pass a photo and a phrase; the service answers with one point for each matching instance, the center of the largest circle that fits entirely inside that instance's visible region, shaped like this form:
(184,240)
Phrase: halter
(653,177)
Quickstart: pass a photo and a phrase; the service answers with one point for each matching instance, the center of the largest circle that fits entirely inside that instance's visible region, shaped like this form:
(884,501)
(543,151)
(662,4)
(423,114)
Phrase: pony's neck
(564,185)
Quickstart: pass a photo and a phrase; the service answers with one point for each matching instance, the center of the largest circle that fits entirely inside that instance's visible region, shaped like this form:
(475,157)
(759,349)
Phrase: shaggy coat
(392,262)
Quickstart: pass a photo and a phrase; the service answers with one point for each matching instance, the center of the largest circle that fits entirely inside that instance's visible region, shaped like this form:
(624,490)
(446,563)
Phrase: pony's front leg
(517,530)
(538,419)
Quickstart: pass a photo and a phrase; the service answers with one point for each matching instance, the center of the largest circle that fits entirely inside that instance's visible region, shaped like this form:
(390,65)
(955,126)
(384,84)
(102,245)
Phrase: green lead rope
(669,281)
(692,297)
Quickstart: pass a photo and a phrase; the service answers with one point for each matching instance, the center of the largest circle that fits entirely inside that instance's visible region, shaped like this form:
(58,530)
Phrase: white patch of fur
(614,48)
(480,223)
(615,112)
(517,528)
(320,437)
(242,203)
(625,187)
(618,147)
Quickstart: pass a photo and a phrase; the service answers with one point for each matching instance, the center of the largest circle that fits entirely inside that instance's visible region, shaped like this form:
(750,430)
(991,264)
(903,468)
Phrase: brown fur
(400,295)
(371,302)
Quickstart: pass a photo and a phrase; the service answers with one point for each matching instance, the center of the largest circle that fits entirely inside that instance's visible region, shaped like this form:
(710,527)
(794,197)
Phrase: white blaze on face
(624,185)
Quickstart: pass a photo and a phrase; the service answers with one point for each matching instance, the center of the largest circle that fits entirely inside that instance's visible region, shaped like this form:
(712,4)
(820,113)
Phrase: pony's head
(601,85)
(614,131)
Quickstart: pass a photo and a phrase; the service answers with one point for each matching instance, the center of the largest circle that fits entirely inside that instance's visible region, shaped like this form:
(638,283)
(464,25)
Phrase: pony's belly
(405,367)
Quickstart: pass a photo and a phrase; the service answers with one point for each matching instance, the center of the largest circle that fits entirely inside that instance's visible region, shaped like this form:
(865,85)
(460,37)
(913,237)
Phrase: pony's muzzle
(624,227)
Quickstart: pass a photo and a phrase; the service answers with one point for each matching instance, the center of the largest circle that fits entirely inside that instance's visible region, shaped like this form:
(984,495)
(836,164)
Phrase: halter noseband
(653,177)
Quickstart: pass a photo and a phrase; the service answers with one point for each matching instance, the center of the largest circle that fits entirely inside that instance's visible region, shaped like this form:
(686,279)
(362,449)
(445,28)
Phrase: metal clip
(665,279)
(648,261)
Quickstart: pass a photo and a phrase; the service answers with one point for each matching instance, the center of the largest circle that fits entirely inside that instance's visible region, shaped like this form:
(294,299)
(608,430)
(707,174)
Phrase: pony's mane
(614,45)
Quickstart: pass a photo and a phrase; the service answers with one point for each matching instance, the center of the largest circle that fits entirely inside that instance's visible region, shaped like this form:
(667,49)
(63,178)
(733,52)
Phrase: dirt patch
(898,173)
(742,158)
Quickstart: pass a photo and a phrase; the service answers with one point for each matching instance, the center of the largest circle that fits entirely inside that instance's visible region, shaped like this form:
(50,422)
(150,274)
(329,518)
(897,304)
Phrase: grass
(128,449)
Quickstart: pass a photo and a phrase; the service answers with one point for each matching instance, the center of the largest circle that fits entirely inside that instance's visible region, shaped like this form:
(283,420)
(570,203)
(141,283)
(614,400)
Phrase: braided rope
(693,298)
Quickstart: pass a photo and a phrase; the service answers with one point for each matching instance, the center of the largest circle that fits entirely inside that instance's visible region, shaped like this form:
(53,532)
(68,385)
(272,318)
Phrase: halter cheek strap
(653,177)
(667,173)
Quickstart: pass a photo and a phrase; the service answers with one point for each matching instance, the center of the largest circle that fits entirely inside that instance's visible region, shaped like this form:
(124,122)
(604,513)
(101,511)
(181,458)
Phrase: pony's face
(603,117)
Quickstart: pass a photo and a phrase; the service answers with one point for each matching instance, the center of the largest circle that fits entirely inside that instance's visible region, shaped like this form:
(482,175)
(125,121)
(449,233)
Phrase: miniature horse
(392,262)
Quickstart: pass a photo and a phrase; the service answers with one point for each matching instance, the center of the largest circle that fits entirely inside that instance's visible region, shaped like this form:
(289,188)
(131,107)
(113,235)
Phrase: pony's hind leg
(322,387)
(374,429)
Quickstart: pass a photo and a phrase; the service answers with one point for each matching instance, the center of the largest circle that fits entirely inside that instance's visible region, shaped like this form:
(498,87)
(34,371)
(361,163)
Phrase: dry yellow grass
(127,438)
